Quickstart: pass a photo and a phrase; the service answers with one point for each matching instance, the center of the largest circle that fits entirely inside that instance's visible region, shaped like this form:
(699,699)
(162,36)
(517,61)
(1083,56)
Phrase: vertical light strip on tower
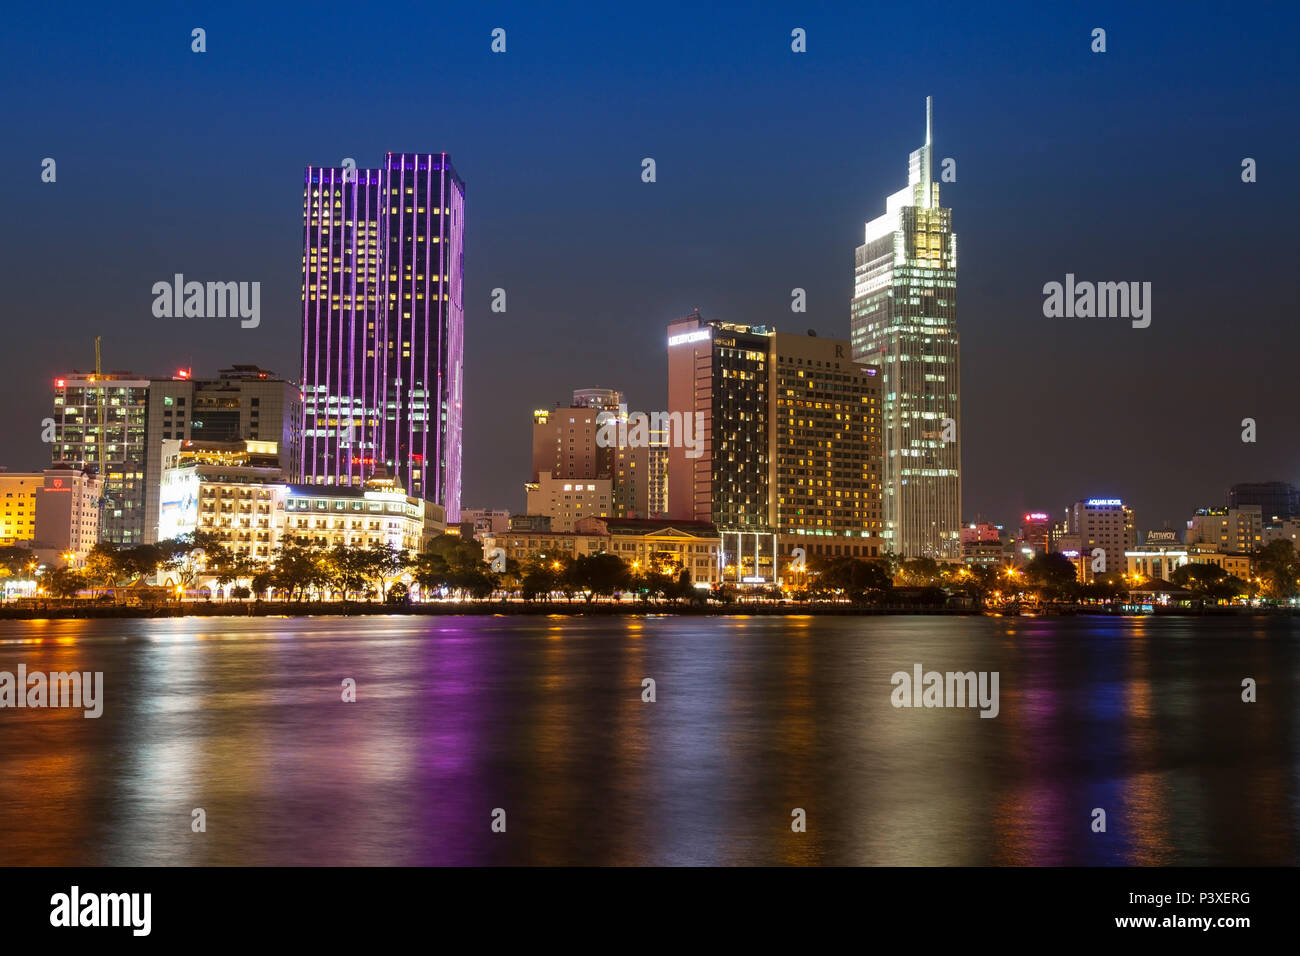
(377,371)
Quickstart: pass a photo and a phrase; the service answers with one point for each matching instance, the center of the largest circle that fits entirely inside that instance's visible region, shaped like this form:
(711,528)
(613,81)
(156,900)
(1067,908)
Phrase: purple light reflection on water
(543,716)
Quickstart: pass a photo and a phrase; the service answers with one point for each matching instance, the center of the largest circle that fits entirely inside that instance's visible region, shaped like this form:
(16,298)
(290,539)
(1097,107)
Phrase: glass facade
(738,490)
(100,420)
(383,325)
(904,321)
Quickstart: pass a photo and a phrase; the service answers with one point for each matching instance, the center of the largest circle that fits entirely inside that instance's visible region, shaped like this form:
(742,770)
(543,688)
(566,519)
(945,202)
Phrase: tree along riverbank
(361,609)
(74,610)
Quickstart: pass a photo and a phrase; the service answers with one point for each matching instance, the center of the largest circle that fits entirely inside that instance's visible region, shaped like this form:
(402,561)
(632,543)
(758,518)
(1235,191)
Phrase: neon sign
(697,336)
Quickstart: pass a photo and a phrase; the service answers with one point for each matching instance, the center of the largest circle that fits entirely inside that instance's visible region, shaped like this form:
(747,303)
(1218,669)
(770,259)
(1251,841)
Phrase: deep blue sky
(1115,166)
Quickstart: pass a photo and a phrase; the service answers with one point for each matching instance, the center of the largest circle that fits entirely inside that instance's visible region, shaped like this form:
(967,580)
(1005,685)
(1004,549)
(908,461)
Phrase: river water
(754,719)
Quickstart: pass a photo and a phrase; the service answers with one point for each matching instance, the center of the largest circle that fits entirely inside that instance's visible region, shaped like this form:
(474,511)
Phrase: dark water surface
(543,717)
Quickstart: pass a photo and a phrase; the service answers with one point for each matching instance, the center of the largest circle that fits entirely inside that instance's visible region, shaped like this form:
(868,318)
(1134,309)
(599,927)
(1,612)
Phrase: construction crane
(99,443)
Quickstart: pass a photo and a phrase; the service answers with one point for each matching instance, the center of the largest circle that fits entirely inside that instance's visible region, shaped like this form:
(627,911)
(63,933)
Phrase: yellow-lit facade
(826,452)
(18,497)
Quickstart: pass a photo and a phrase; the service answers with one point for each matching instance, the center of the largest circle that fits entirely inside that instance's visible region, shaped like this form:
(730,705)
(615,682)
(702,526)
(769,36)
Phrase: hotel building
(379,512)
(383,325)
(826,458)
(790,456)
(641,478)
(1106,524)
(904,322)
(236,491)
(722,370)
(243,403)
(229,489)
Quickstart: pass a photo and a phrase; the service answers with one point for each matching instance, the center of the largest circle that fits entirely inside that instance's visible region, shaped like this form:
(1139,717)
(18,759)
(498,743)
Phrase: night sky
(1122,166)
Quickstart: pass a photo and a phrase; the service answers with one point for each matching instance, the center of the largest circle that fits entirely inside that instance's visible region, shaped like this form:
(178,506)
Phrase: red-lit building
(1035,536)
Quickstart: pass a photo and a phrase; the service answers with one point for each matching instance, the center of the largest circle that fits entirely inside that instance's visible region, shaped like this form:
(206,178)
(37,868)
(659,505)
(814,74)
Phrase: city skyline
(568,436)
(1053,410)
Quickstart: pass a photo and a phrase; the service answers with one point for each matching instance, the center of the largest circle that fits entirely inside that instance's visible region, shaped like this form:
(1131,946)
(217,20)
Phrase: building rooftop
(647,526)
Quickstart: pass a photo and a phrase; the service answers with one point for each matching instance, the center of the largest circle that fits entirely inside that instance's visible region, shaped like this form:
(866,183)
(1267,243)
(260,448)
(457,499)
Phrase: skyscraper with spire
(904,321)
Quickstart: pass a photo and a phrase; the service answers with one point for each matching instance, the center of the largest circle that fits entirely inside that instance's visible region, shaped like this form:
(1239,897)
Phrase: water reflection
(753,718)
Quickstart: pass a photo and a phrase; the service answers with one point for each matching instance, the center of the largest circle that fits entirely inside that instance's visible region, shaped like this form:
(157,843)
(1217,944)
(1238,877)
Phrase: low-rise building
(1286,529)
(1236,563)
(379,512)
(666,546)
(527,546)
(816,546)
(1035,538)
(18,492)
(1228,529)
(54,513)
(486,520)
(643,544)
(982,544)
(568,500)
(67,514)
(1157,558)
(529,524)
(236,491)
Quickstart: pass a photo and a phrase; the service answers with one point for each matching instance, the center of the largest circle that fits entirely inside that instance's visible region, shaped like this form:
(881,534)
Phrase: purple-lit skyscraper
(383,325)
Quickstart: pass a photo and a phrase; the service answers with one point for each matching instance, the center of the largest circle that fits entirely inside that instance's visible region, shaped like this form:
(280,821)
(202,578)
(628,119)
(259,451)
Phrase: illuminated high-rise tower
(904,321)
(383,325)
